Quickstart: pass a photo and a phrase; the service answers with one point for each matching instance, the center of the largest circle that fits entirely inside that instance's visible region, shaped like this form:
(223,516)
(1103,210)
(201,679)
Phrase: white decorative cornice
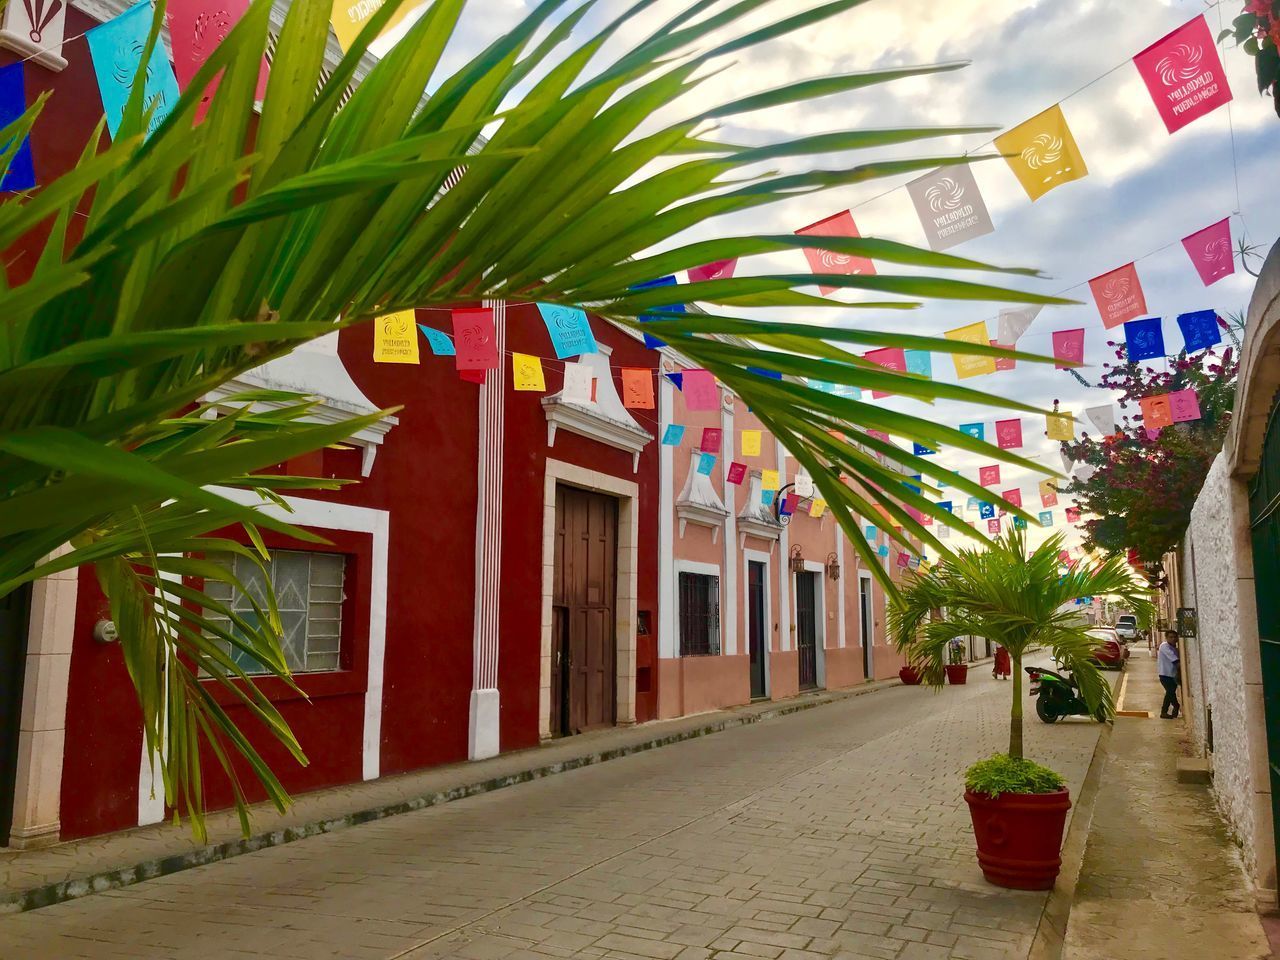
(35,32)
(699,503)
(316,370)
(756,519)
(605,419)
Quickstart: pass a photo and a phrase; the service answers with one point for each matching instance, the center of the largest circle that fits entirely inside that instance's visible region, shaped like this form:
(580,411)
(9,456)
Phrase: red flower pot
(1020,837)
(910,676)
(957,673)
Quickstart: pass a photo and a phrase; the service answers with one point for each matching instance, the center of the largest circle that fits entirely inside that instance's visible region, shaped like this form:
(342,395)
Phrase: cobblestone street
(838,831)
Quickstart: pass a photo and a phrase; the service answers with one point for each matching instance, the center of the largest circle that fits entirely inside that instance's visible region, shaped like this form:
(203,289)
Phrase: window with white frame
(309,598)
(699,614)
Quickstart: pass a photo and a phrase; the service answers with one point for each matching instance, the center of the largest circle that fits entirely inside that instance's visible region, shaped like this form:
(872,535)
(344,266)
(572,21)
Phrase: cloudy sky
(1145,189)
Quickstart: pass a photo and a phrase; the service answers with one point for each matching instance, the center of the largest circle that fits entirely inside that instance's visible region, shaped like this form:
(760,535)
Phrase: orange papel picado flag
(1042,153)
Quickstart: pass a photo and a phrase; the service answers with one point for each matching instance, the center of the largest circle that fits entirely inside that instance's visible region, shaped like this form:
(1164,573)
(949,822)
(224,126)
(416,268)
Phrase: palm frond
(199,260)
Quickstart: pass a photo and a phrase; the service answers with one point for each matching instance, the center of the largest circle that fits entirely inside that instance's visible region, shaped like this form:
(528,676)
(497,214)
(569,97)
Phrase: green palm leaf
(1016,597)
(200,260)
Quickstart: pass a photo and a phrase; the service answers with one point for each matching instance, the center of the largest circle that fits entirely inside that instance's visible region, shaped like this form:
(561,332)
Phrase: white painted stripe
(732,559)
(785,579)
(842,640)
(666,524)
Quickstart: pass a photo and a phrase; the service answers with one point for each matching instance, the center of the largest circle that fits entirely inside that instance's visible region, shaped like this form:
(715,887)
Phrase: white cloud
(1145,188)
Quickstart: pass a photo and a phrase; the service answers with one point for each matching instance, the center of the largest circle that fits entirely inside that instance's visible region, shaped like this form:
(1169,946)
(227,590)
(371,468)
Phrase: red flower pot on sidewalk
(910,676)
(1020,837)
(957,673)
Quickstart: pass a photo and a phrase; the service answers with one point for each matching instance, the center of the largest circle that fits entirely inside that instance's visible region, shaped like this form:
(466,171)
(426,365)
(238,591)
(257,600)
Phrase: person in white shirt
(1167,666)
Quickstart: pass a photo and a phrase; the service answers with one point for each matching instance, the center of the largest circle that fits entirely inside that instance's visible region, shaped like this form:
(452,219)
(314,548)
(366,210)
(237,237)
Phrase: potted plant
(1025,601)
(957,668)
(909,675)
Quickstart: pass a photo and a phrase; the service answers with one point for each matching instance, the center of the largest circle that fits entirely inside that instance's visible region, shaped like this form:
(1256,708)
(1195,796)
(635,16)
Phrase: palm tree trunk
(1015,713)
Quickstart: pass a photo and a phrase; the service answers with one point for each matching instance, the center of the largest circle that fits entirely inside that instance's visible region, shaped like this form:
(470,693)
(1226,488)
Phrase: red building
(509,568)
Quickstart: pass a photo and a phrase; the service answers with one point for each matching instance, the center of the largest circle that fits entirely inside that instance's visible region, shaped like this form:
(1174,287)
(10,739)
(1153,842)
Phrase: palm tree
(179,258)
(1020,599)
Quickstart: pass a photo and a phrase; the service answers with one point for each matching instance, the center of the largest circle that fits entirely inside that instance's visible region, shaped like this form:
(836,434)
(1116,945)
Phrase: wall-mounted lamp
(797,560)
(833,566)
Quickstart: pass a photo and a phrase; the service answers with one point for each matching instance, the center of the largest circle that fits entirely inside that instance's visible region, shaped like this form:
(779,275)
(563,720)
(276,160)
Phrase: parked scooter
(1057,696)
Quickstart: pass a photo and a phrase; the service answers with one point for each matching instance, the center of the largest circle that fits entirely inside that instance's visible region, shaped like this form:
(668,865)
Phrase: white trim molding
(316,370)
(729,611)
(759,556)
(604,419)
(819,618)
(377,523)
(626,595)
(667,643)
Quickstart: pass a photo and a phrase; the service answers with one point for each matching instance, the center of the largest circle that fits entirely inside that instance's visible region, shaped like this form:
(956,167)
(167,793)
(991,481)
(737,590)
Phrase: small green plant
(1004,774)
(955,653)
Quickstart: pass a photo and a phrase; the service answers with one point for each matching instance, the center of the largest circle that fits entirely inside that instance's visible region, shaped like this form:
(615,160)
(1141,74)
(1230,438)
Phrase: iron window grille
(699,615)
(309,597)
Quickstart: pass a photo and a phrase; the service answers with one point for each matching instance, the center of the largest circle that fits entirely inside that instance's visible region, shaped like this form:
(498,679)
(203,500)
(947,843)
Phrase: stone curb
(1051,934)
(63,890)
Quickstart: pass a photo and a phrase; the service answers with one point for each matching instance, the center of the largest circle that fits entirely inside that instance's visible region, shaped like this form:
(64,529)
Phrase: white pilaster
(786,640)
(483,739)
(732,555)
(37,795)
(666,520)
(842,639)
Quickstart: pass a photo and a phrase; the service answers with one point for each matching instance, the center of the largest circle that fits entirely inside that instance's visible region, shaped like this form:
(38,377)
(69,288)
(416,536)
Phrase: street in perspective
(623,479)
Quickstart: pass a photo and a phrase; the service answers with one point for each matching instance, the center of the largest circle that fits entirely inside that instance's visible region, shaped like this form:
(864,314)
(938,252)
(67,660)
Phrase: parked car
(1110,652)
(1127,627)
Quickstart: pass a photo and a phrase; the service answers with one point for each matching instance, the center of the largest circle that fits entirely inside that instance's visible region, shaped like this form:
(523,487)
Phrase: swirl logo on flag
(1117,288)
(210,29)
(1183,74)
(1180,64)
(125,61)
(396,325)
(831,259)
(474,337)
(946,194)
(1217,251)
(1044,150)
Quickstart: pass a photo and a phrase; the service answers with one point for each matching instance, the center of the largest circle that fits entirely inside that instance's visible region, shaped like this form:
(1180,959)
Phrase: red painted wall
(103,748)
(61,132)
(104,726)
(425,475)
(524,470)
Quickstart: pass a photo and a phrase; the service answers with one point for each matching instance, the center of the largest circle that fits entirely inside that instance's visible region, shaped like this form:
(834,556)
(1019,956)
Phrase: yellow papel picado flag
(1042,153)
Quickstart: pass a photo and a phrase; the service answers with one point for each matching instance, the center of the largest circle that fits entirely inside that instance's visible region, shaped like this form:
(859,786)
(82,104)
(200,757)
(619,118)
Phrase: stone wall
(1210,580)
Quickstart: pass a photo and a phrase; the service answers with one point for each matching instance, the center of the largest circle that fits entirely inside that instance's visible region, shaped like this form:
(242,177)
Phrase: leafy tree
(1257,32)
(182,257)
(1020,599)
(1138,487)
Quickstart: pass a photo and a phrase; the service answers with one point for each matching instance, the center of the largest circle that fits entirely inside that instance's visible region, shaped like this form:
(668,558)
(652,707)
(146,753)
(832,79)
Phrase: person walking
(1168,667)
(1002,666)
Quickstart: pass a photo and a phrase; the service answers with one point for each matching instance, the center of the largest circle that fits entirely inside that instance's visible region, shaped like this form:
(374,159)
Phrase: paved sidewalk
(36,878)
(838,832)
(1161,878)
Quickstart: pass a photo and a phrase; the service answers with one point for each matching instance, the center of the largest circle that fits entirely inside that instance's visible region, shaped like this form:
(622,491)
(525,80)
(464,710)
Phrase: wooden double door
(584,653)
